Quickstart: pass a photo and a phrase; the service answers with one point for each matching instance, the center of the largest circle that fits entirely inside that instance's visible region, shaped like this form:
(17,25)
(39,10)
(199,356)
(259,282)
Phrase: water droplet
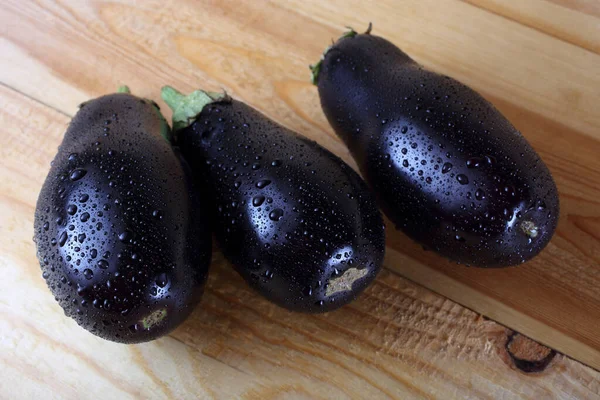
(62,239)
(462,179)
(88,273)
(491,160)
(404,129)
(45,275)
(308,291)
(157,214)
(102,264)
(81,237)
(405,164)
(93,253)
(125,236)
(46,226)
(71,209)
(162,279)
(258,200)
(83,198)
(276,214)
(77,174)
(479,194)
(473,162)
(446,168)
(84,217)
(263,183)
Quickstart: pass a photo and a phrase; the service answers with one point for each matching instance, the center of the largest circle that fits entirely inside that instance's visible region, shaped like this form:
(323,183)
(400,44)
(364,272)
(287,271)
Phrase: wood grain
(535,66)
(398,340)
(554,19)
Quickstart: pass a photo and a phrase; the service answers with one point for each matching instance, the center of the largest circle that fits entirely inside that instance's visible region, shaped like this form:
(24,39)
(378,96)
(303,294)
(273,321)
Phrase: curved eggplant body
(122,237)
(297,222)
(448,169)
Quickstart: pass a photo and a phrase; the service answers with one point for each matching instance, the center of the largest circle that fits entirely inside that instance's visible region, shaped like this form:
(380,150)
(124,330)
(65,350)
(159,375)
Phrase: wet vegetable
(121,234)
(448,169)
(295,220)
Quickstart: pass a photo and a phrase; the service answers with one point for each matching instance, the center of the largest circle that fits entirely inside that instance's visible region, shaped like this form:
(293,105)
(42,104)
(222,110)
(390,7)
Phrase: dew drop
(263,183)
(125,236)
(62,239)
(462,179)
(162,279)
(77,174)
(88,273)
(258,200)
(276,214)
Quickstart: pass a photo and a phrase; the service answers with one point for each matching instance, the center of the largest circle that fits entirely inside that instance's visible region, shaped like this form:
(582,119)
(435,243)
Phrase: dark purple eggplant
(296,222)
(447,167)
(122,234)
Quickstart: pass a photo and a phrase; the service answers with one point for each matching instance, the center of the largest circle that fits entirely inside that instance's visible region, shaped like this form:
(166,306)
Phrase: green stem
(315,69)
(123,89)
(187,108)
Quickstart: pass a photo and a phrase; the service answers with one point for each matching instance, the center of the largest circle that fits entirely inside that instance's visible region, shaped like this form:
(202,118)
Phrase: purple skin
(122,238)
(296,221)
(448,168)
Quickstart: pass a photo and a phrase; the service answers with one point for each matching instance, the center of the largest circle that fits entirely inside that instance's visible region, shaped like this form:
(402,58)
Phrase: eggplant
(448,168)
(297,223)
(122,232)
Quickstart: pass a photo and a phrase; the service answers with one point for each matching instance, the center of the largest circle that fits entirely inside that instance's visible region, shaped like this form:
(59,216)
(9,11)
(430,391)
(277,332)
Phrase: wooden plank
(548,88)
(590,7)
(553,19)
(398,340)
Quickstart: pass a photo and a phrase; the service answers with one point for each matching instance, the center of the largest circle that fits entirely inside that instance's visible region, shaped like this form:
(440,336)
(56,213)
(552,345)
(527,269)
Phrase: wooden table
(538,61)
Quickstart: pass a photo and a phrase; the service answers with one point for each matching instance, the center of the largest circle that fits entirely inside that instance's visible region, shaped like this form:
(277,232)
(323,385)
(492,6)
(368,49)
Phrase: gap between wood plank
(543,32)
(34,99)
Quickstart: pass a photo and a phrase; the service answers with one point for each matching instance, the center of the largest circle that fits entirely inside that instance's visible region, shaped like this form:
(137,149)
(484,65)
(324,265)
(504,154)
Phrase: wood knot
(528,355)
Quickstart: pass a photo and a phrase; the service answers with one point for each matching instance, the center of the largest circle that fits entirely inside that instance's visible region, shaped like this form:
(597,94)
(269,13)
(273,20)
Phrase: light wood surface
(536,60)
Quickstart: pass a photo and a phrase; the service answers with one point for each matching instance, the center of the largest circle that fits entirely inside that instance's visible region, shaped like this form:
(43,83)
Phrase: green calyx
(123,89)
(315,69)
(187,108)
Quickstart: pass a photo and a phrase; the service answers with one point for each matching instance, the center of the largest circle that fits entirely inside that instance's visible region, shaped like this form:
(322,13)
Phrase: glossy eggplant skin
(297,222)
(447,167)
(122,236)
